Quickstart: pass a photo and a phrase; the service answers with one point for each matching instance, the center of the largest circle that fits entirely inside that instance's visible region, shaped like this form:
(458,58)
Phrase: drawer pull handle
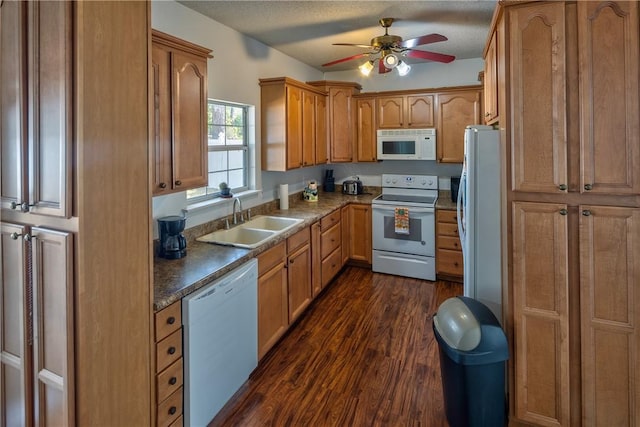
(173,380)
(171,320)
(162,185)
(563,212)
(178,182)
(562,187)
(586,212)
(173,410)
(588,187)
(171,350)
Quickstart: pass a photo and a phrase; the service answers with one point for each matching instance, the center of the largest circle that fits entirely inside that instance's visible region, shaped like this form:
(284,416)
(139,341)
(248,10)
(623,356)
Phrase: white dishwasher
(220,323)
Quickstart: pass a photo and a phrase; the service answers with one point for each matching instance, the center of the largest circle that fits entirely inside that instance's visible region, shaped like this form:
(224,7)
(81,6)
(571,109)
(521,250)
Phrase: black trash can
(473,353)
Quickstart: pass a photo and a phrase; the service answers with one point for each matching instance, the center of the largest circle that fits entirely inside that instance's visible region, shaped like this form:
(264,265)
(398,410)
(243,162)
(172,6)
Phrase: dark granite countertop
(174,279)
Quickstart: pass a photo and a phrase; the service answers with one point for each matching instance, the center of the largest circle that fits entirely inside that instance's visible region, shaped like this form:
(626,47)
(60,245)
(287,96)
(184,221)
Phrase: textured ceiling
(305,30)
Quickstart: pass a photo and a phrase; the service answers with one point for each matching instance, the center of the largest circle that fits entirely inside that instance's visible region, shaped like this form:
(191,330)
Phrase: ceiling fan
(391,48)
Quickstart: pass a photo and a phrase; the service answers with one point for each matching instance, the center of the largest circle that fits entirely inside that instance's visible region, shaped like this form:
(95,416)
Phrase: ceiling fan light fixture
(403,68)
(366,68)
(390,61)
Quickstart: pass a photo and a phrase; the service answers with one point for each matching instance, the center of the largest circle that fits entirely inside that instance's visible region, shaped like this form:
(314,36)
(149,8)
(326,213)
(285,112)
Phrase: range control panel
(425,182)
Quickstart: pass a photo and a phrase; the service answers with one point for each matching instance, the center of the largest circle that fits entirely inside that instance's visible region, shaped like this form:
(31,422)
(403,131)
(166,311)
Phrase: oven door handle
(411,209)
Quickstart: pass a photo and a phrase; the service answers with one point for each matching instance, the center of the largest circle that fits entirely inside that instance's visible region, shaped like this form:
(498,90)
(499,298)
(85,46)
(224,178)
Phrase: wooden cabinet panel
(168,320)
(390,112)
(330,220)
(538,89)
(298,240)
(316,256)
(299,281)
(36,152)
(491,80)
(169,350)
(345,229)
(456,110)
(294,127)
(359,243)
(420,111)
(273,312)
(330,241)
(321,137)
(541,312)
(450,262)
(170,410)
(610,313)
(406,111)
(269,259)
(449,259)
(366,136)
(609,103)
(308,128)
(169,380)
(178,115)
(331,266)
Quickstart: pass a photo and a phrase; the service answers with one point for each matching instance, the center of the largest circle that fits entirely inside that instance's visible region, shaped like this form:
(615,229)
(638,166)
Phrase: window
(228,150)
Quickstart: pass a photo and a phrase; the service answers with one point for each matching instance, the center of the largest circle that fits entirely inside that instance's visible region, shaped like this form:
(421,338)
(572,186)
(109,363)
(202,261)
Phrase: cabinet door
(294,127)
(360,240)
(13,105)
(366,140)
(189,94)
(420,111)
(491,80)
(321,130)
(273,312)
(610,137)
(308,128)
(160,116)
(299,281)
(15,358)
(53,346)
(455,112)
(341,126)
(36,152)
(541,310)
(316,256)
(610,313)
(538,97)
(390,112)
(345,221)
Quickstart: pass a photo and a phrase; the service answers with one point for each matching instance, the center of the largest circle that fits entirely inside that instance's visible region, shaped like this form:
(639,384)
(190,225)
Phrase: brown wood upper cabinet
(178,114)
(36,94)
(406,111)
(491,79)
(366,137)
(302,140)
(456,110)
(341,127)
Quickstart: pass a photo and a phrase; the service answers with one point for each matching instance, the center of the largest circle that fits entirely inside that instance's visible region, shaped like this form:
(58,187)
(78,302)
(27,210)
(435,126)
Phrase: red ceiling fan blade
(426,39)
(366,46)
(381,68)
(431,56)
(360,55)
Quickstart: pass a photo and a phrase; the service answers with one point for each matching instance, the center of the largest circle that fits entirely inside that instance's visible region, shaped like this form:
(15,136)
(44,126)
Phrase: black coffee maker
(173,245)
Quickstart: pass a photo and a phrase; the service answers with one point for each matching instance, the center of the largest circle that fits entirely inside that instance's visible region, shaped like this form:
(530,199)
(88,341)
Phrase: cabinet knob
(586,212)
(173,410)
(14,205)
(563,211)
(487,114)
(15,235)
(178,182)
(588,187)
(171,320)
(562,187)
(455,264)
(24,207)
(171,350)
(162,185)
(173,380)
(27,237)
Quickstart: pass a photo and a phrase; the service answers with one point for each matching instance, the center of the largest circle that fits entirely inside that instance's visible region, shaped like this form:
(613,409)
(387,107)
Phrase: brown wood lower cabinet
(449,262)
(273,307)
(169,372)
(331,246)
(359,245)
(299,273)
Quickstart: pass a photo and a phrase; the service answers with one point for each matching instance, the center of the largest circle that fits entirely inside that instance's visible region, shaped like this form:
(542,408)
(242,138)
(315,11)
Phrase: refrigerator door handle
(460,211)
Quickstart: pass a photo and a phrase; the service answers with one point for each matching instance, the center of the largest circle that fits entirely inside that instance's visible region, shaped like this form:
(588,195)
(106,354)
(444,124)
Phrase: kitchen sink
(251,234)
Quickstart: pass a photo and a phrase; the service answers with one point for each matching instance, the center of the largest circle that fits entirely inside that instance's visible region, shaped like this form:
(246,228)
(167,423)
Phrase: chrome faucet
(238,202)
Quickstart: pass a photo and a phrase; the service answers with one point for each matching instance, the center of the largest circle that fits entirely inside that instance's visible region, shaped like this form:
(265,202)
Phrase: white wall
(233,74)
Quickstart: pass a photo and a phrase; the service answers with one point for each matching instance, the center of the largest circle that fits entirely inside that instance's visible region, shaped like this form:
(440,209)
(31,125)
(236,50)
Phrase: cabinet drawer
(450,262)
(178,422)
(170,410)
(446,229)
(298,240)
(270,258)
(169,380)
(168,320)
(168,350)
(330,220)
(330,266)
(330,240)
(449,242)
(447,216)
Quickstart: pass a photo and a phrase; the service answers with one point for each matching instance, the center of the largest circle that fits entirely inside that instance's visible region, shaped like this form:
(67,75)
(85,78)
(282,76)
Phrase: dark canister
(173,244)
(455,185)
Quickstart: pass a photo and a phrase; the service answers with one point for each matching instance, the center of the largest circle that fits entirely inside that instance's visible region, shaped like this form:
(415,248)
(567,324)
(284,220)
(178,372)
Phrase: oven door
(421,237)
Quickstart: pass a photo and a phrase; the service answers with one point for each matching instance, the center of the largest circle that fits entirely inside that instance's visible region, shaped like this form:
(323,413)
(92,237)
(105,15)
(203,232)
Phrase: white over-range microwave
(406,144)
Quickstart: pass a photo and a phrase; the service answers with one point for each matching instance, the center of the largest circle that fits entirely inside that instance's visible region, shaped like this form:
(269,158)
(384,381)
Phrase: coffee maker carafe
(173,245)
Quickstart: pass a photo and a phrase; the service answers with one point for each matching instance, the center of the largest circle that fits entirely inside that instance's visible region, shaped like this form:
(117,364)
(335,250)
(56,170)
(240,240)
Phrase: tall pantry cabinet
(573,162)
(74,246)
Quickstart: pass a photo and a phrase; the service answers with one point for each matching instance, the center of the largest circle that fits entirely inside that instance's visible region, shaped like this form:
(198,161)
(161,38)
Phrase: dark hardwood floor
(363,354)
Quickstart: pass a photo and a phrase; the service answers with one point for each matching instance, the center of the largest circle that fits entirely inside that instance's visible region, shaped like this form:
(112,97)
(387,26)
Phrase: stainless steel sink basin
(251,234)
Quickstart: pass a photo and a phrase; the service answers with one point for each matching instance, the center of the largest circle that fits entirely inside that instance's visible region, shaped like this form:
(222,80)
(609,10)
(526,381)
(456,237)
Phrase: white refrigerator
(479,208)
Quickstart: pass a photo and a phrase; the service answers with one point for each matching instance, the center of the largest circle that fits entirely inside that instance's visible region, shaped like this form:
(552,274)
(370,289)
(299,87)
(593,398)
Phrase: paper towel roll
(284,196)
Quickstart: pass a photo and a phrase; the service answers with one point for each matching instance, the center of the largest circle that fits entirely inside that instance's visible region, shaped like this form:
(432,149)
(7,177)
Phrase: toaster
(353,187)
